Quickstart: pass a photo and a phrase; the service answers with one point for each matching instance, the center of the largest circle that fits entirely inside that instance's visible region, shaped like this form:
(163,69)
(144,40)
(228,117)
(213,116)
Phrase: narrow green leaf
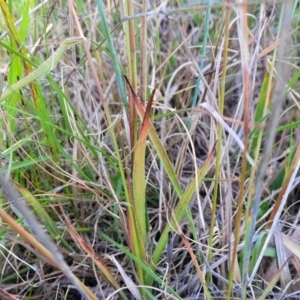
(43,69)
(112,51)
(25,24)
(179,211)
(260,116)
(41,213)
(146,268)
(273,282)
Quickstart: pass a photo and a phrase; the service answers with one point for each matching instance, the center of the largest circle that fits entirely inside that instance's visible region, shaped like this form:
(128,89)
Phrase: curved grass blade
(43,69)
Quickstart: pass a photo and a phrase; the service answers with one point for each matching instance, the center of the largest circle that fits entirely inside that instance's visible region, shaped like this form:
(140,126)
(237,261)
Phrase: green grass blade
(41,213)
(145,267)
(25,24)
(43,69)
(112,52)
(179,211)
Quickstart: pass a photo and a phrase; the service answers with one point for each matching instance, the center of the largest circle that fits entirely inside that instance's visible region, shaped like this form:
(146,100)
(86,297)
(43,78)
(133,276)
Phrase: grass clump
(149,152)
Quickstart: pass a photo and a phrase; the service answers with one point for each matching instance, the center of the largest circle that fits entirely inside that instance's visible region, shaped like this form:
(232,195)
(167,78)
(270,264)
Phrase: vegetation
(149,151)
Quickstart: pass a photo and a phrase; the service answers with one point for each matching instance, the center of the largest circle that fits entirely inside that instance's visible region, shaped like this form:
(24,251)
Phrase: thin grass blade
(139,182)
(97,260)
(159,147)
(43,69)
(180,210)
(86,292)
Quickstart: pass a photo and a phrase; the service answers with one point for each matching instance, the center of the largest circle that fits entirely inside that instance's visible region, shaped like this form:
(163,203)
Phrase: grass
(156,148)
